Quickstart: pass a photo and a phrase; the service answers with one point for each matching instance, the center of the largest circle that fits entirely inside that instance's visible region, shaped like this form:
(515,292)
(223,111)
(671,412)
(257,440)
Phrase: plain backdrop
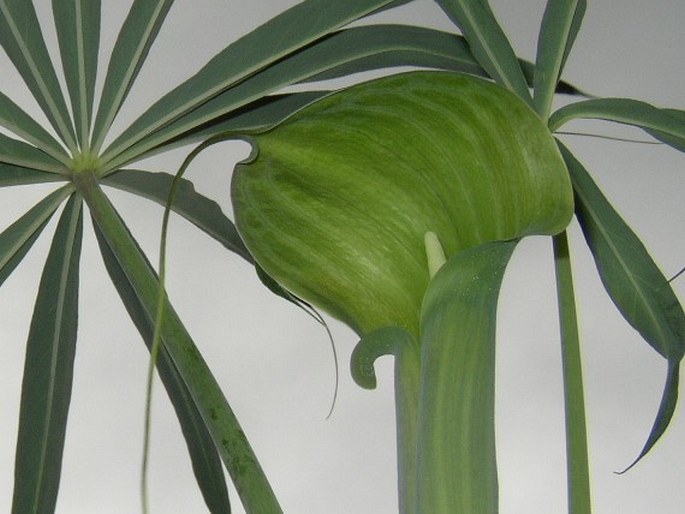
(275,365)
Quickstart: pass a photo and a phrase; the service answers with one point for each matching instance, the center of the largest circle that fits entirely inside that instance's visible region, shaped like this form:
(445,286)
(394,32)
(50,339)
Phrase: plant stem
(578,470)
(393,340)
(407,385)
(226,432)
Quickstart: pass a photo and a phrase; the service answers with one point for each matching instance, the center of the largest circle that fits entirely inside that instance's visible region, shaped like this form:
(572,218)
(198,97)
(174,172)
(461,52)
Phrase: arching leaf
(289,31)
(626,111)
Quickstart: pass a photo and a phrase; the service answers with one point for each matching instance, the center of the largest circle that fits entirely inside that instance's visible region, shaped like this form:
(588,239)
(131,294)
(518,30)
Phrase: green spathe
(336,200)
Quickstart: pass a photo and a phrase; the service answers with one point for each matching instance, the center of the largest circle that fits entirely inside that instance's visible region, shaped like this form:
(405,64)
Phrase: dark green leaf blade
(641,292)
(488,42)
(667,407)
(11,175)
(345,51)
(637,286)
(374,47)
(254,117)
(560,25)
(226,432)
(289,31)
(348,51)
(17,239)
(22,39)
(78,33)
(404,45)
(196,208)
(16,152)
(669,122)
(16,120)
(48,371)
(135,38)
(671,140)
(272,110)
(391,5)
(203,455)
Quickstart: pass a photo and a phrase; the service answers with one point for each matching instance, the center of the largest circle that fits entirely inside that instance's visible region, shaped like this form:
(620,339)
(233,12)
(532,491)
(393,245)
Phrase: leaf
(135,38)
(275,287)
(667,407)
(636,285)
(196,208)
(78,33)
(341,50)
(391,5)
(11,175)
(15,119)
(674,141)
(254,117)
(430,48)
(48,371)
(22,39)
(488,42)
(17,239)
(229,438)
(289,31)
(18,153)
(375,47)
(203,455)
(560,26)
(626,111)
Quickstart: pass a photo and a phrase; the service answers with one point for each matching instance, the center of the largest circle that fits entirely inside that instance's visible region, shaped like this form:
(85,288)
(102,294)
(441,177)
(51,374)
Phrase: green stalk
(456,469)
(393,340)
(235,451)
(407,388)
(578,469)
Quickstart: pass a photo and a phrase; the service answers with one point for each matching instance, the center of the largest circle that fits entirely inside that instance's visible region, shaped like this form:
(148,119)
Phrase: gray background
(275,365)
